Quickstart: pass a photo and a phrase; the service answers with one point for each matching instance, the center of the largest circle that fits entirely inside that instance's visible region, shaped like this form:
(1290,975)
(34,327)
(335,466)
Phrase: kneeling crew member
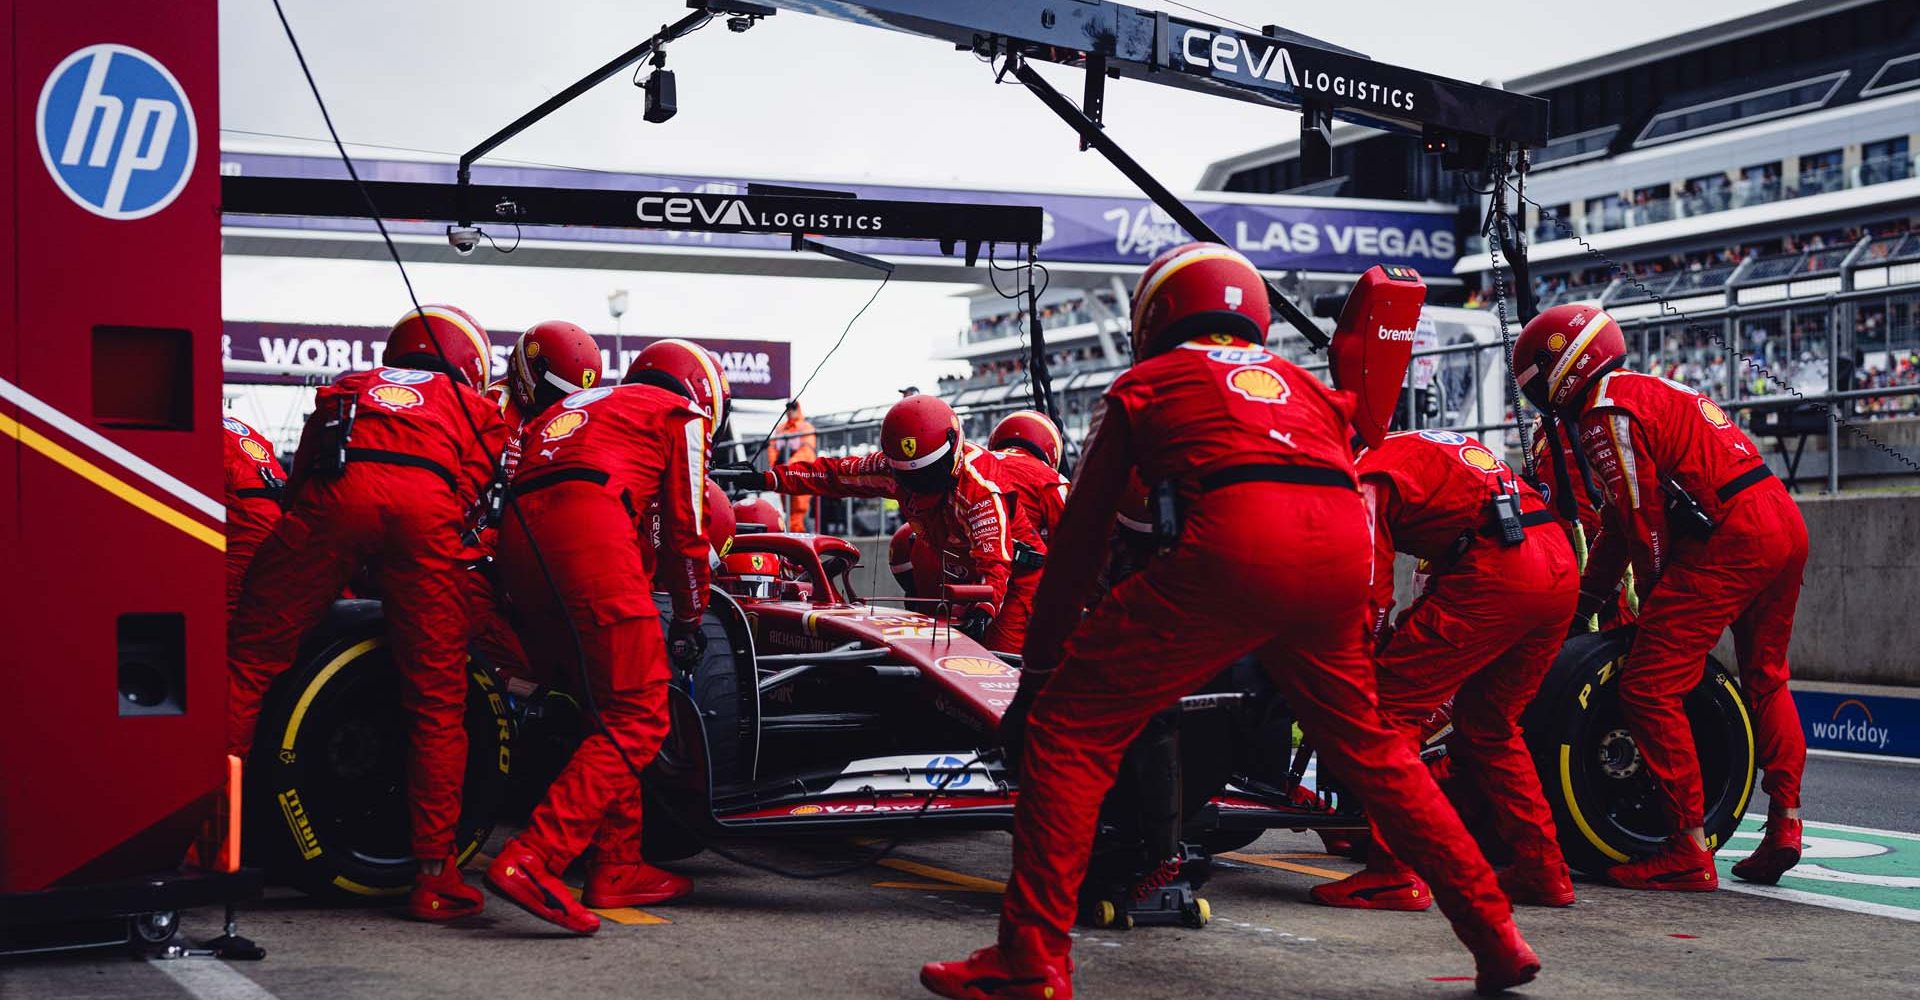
(1259,449)
(578,563)
(387,471)
(1029,446)
(1483,631)
(1715,542)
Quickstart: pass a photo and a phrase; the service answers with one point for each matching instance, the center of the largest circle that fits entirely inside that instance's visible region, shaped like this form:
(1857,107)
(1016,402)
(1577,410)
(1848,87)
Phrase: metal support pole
(1095,137)
(1836,407)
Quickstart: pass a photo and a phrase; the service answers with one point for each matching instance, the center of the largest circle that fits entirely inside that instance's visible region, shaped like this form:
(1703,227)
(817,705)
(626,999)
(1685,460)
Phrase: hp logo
(116,131)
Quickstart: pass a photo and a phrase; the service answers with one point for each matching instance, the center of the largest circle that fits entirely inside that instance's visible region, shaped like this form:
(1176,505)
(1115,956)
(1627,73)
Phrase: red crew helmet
(1196,289)
(551,360)
(440,337)
(1563,350)
(761,512)
(1030,431)
(720,522)
(921,438)
(687,368)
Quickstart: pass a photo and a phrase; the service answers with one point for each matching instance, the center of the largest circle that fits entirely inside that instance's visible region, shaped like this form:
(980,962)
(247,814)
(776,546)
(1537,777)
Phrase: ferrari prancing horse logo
(909,445)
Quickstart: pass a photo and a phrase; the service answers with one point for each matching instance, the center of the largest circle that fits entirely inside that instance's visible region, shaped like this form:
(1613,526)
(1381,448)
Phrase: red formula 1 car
(815,711)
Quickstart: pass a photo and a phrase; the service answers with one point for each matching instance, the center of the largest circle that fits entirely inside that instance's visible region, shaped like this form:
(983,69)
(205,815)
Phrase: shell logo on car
(1714,414)
(396,397)
(1479,458)
(974,666)
(564,425)
(1261,385)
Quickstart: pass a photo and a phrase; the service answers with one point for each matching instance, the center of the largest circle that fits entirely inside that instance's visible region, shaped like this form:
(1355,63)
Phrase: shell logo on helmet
(1714,414)
(973,666)
(1261,385)
(1479,458)
(255,450)
(563,425)
(533,349)
(396,397)
(909,445)
(1557,342)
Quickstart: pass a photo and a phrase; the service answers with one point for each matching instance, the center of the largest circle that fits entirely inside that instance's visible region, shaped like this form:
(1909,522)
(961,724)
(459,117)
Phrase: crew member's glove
(1586,614)
(1013,724)
(741,478)
(686,644)
(975,622)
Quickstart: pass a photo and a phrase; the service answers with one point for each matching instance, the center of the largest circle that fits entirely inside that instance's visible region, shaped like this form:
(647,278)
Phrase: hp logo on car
(116,131)
(948,772)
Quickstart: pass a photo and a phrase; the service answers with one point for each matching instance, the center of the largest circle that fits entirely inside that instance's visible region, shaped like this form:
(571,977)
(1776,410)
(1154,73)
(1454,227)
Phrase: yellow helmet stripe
(1194,256)
(477,337)
(1565,364)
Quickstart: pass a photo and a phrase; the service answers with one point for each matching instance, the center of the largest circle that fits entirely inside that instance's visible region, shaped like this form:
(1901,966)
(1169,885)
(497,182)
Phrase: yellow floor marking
(1273,861)
(943,879)
(625,914)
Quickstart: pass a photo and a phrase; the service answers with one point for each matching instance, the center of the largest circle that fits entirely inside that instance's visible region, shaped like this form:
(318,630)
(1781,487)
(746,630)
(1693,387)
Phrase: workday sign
(116,131)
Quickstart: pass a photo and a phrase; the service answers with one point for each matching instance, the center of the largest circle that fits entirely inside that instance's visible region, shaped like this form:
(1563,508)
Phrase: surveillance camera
(463,239)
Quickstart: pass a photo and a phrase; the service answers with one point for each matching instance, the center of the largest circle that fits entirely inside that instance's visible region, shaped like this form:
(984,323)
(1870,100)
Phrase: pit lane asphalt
(746,934)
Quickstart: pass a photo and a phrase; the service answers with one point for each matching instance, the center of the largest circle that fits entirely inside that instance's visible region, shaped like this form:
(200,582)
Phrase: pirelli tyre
(1604,801)
(326,785)
(715,739)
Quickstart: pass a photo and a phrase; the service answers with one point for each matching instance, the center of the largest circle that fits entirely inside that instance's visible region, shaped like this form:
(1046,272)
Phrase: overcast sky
(798,97)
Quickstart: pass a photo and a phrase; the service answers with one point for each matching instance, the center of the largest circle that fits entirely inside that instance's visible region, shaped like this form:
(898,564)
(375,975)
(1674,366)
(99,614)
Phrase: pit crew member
(389,467)
(255,486)
(1715,542)
(1258,448)
(954,495)
(794,441)
(1498,595)
(577,564)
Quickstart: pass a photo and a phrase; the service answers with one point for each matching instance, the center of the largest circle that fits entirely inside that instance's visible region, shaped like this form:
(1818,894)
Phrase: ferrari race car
(816,711)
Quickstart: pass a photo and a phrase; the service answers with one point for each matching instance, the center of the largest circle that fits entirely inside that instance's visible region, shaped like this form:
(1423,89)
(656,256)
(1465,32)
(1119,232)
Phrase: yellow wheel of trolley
(1105,914)
(1205,911)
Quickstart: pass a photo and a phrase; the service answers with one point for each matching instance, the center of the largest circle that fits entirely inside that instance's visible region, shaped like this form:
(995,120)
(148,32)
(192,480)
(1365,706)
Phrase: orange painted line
(625,914)
(951,880)
(1273,861)
(934,887)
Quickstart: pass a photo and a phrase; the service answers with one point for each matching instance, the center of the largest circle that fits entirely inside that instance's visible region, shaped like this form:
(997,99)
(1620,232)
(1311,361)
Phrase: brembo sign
(1311,74)
(734,213)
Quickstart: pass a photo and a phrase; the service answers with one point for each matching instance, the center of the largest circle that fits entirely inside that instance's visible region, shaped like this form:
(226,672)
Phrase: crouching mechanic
(255,486)
(1485,629)
(389,466)
(1258,448)
(577,562)
(1715,542)
(1029,446)
(957,497)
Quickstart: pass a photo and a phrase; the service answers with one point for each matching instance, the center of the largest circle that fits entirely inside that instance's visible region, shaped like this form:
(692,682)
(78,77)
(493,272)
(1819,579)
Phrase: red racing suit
(1647,438)
(414,471)
(1486,627)
(1038,488)
(968,535)
(255,485)
(588,471)
(1272,559)
(492,630)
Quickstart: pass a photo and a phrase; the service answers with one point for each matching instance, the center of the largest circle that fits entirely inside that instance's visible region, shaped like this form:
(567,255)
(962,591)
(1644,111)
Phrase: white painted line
(1817,825)
(1816,899)
(211,979)
(128,460)
(1872,758)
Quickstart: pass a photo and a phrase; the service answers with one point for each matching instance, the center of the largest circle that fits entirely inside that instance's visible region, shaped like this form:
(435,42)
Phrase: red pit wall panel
(83,789)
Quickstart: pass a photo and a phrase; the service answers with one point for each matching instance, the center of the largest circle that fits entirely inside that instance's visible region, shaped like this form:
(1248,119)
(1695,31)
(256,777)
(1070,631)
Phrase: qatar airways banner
(1310,234)
(758,369)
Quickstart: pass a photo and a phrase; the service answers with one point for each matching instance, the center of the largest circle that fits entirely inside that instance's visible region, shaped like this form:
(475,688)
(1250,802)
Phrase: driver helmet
(751,574)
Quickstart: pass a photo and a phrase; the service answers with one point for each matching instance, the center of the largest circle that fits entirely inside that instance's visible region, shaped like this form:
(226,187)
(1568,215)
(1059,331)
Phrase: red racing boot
(445,896)
(1680,866)
(1018,968)
(1501,958)
(1537,884)
(1376,888)
(611,885)
(523,880)
(1779,850)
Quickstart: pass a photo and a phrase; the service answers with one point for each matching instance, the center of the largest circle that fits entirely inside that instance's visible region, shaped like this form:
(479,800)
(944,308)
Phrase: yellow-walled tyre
(1605,804)
(327,804)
